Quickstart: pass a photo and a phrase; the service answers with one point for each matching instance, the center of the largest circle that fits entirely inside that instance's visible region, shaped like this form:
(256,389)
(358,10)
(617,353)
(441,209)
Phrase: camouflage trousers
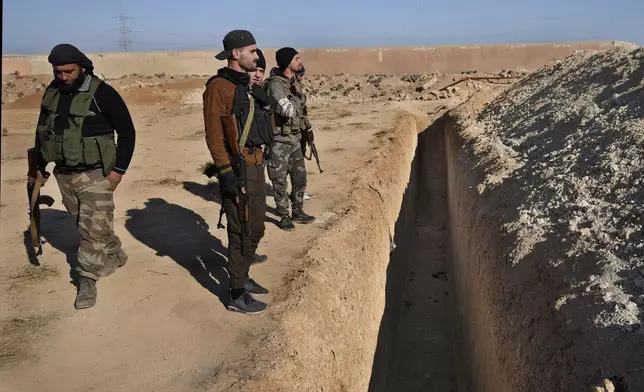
(286,159)
(89,198)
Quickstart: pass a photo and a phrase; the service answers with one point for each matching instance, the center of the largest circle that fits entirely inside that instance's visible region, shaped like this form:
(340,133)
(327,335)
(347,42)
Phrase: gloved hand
(229,185)
(260,95)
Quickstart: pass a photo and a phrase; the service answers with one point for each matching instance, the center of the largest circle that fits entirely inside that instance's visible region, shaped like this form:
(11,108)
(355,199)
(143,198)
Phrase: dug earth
(475,232)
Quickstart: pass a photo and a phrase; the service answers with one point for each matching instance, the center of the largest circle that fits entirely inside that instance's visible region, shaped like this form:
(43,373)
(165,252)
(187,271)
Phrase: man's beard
(249,67)
(75,85)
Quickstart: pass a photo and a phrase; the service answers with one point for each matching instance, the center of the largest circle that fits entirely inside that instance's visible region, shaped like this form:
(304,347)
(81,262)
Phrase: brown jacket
(218,101)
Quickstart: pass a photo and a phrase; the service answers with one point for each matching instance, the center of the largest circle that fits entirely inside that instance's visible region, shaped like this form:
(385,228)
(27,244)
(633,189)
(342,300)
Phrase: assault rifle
(308,138)
(35,180)
(238,163)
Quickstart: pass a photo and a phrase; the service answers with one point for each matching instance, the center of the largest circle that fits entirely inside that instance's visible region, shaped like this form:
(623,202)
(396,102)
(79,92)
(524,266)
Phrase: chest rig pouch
(259,128)
(70,147)
(283,125)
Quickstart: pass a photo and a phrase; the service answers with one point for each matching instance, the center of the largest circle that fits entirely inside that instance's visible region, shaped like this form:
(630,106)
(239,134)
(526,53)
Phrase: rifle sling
(247,124)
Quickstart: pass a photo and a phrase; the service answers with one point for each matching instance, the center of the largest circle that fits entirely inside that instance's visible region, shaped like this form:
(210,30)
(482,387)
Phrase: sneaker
(308,196)
(259,259)
(286,224)
(254,288)
(246,304)
(86,297)
(303,218)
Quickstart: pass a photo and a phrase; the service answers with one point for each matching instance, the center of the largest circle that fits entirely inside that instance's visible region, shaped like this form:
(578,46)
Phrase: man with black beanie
(286,158)
(79,115)
(233,144)
(257,76)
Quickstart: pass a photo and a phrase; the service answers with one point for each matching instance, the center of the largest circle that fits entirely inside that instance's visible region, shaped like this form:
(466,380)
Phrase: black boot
(286,224)
(303,218)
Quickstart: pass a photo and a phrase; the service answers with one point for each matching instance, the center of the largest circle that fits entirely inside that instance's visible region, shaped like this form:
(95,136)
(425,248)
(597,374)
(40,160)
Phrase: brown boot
(86,297)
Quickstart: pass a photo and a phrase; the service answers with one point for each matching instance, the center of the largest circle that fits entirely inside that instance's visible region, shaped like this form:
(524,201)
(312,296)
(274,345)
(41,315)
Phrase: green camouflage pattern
(286,159)
(288,112)
(89,198)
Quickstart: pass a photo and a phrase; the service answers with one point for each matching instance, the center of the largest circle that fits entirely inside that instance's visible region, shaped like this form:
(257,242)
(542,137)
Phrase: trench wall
(344,317)
(390,60)
(475,264)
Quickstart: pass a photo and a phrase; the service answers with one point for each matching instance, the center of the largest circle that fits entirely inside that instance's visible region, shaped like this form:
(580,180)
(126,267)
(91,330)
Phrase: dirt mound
(560,162)
(578,130)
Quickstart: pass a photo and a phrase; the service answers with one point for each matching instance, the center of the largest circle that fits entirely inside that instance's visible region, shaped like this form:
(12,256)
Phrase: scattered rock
(604,386)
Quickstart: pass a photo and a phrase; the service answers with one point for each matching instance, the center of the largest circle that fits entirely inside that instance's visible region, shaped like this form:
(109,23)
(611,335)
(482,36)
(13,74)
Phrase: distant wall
(445,59)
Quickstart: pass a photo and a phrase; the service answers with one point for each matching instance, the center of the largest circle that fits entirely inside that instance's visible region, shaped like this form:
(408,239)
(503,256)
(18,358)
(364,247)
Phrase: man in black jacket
(79,114)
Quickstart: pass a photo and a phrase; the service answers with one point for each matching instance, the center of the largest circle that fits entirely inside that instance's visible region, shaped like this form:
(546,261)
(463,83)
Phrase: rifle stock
(35,180)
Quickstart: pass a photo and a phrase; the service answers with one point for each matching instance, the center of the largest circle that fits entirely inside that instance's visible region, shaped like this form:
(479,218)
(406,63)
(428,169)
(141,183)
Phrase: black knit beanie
(284,57)
(261,62)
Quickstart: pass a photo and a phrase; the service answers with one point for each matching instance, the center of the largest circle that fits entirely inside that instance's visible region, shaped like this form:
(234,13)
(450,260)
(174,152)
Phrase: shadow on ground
(204,191)
(207,192)
(183,235)
(58,230)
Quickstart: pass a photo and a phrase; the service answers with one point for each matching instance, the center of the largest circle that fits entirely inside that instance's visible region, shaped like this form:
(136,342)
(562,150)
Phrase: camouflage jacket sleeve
(217,102)
(288,104)
(305,115)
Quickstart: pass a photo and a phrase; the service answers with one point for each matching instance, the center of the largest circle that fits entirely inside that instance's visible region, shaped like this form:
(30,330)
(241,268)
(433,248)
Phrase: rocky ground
(563,156)
(341,87)
(16,86)
(577,146)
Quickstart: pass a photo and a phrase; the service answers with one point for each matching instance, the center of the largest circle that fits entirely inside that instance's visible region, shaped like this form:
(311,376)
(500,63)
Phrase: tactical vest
(260,128)
(284,125)
(70,148)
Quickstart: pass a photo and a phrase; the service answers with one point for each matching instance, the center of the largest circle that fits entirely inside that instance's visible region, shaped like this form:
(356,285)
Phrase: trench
(414,350)
(444,310)
(443,326)
(458,316)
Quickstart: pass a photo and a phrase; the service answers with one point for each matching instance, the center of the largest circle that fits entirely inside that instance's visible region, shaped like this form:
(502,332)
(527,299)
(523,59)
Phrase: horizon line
(375,47)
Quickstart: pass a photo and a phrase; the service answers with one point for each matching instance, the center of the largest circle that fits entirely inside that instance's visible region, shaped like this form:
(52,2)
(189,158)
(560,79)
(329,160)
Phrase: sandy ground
(160,322)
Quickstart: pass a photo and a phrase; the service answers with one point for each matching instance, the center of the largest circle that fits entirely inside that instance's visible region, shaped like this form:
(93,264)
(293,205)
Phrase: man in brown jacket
(229,93)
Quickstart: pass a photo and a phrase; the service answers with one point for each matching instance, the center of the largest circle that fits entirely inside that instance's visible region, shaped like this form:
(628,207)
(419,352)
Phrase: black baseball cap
(235,39)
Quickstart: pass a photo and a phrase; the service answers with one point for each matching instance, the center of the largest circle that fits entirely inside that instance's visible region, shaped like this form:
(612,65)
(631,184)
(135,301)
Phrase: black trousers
(239,265)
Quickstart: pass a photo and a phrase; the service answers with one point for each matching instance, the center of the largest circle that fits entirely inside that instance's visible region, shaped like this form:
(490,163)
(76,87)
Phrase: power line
(124,41)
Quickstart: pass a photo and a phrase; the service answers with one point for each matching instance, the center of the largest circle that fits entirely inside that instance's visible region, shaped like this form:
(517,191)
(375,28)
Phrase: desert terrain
(476,231)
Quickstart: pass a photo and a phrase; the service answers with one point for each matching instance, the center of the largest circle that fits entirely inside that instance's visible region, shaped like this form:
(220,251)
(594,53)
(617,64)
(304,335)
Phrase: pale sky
(35,26)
